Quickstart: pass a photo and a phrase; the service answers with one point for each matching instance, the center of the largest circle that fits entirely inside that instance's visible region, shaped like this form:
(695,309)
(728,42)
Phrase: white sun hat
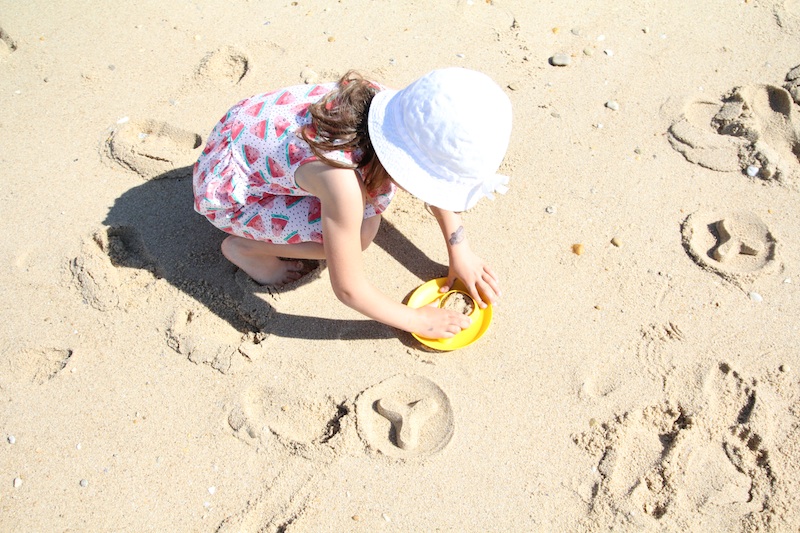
(443,137)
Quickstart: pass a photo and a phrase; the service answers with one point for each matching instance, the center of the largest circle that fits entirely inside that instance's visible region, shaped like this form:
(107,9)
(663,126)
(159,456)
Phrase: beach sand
(646,380)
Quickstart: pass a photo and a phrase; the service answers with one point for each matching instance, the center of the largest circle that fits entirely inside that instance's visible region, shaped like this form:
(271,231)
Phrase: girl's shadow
(163,234)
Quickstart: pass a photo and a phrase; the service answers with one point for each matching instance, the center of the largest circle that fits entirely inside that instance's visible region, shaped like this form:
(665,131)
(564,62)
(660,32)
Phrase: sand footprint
(736,245)
(302,425)
(754,128)
(205,338)
(662,466)
(227,64)
(37,365)
(96,271)
(153,149)
(694,136)
(765,116)
(7,44)
(404,417)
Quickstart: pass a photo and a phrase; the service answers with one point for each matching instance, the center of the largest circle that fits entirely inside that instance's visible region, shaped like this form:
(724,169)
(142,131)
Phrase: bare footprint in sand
(661,466)
(755,129)
(37,365)
(153,149)
(205,338)
(7,44)
(405,417)
(693,136)
(96,271)
(300,424)
(765,116)
(736,245)
(228,65)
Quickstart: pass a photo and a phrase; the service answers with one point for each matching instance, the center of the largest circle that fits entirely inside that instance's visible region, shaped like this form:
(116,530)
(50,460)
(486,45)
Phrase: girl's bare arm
(482,282)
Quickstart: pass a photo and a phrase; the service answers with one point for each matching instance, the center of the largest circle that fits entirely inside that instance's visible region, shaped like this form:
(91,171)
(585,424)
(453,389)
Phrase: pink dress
(244,180)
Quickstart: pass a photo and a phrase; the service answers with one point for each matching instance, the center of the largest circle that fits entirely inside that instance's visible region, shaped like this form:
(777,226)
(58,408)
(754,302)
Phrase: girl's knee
(369,229)
(230,247)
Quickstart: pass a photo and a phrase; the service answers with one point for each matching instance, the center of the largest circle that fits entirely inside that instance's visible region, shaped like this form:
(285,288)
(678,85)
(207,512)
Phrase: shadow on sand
(157,221)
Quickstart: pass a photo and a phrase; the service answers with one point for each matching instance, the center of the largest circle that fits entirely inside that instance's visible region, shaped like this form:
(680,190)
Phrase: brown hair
(339,122)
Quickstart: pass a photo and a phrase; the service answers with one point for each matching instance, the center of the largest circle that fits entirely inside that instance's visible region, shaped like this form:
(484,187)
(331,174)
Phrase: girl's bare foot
(264,268)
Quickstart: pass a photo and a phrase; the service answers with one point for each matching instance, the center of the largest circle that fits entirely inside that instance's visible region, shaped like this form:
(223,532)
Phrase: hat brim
(403,168)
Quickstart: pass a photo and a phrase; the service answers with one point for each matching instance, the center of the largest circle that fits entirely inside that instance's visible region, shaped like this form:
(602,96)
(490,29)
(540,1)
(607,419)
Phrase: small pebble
(575,31)
(112,67)
(616,242)
(386,517)
(555,114)
(787,281)
(608,52)
(331,39)
(17,482)
(612,105)
(756,297)
(12,439)
(197,37)
(460,56)
(588,52)
(84,483)
(212,490)
(753,171)
(646,29)
(123,120)
(513,86)
(356,518)
(601,37)
(560,60)
(550,209)
(637,151)
(577,249)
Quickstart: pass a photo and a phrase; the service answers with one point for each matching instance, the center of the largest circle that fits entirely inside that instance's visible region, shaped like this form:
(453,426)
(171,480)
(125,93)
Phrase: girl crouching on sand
(305,172)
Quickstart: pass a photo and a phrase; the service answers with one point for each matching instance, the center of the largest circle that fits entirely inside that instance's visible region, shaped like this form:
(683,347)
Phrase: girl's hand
(481,281)
(436,323)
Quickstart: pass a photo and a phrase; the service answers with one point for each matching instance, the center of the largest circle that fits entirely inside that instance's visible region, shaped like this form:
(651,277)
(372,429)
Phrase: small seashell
(84,483)
(356,518)
(12,439)
(331,39)
(616,242)
(608,52)
(753,171)
(212,490)
(577,249)
(17,482)
(612,105)
(550,209)
(756,297)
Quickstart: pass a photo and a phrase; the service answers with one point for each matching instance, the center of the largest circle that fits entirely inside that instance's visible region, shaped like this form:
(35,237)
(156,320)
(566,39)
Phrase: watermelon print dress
(244,179)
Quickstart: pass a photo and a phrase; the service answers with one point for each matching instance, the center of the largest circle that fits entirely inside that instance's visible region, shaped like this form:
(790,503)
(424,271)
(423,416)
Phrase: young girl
(305,172)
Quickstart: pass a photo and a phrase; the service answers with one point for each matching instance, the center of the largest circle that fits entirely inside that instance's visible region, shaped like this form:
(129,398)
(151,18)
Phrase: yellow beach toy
(428,293)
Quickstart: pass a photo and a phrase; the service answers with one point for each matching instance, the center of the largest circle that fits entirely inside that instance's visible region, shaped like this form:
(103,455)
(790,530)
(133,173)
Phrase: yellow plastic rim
(428,293)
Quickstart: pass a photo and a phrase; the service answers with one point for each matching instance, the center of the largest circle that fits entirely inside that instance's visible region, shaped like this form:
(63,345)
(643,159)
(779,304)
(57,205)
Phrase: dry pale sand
(650,384)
